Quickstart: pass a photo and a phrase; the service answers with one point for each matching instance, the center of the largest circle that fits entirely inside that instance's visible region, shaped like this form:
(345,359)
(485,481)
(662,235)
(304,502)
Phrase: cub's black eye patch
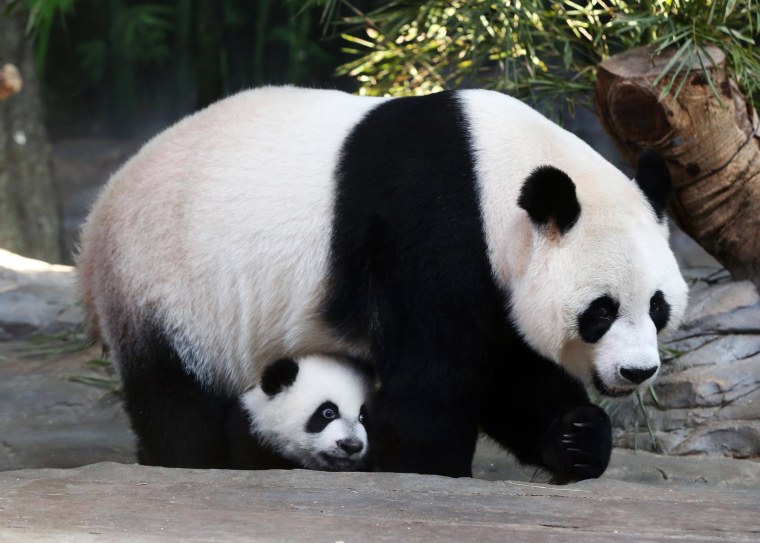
(363,415)
(322,416)
(659,310)
(594,322)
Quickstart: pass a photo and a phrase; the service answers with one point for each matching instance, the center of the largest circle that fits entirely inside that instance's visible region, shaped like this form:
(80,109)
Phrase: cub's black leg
(543,415)
(177,421)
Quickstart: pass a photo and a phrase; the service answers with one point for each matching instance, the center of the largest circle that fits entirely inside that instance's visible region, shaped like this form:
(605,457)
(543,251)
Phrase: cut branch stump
(709,137)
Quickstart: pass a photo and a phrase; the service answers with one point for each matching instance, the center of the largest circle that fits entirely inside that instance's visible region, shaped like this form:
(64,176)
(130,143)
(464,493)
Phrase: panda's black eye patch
(659,310)
(363,415)
(322,416)
(594,322)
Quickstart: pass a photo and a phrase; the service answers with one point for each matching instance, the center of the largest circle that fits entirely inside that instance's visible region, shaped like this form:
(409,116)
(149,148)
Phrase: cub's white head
(312,411)
(600,281)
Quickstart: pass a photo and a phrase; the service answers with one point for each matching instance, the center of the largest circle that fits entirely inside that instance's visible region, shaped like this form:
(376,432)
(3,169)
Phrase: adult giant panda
(485,260)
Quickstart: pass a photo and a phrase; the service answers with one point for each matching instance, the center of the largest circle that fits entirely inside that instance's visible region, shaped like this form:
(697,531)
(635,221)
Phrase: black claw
(577,445)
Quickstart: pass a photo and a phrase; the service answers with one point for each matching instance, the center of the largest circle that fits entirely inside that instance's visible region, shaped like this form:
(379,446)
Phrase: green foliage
(643,411)
(101,372)
(544,51)
(102,375)
(141,33)
(127,60)
(42,16)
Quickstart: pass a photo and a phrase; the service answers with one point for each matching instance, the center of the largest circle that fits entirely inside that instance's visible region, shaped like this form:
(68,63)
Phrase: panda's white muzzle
(626,358)
(341,446)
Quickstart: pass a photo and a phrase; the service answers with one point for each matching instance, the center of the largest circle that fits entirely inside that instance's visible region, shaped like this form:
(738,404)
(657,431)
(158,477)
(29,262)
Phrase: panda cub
(304,413)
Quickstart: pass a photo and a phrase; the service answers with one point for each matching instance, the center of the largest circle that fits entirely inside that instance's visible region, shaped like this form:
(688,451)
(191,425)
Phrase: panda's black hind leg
(177,421)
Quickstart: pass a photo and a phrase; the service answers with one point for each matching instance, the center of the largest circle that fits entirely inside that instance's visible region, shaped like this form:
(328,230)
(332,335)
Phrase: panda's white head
(598,281)
(312,411)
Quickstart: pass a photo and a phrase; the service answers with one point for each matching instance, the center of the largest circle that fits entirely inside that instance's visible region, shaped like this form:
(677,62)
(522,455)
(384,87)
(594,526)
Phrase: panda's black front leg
(546,419)
(577,445)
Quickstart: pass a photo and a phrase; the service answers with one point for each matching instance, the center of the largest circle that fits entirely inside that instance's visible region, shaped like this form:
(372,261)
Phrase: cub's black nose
(637,375)
(350,446)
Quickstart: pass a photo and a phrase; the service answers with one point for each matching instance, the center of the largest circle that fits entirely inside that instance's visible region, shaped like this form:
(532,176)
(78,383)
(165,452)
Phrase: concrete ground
(49,421)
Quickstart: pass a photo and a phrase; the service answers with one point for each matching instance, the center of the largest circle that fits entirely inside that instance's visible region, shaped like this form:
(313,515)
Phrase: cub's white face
(312,411)
(595,296)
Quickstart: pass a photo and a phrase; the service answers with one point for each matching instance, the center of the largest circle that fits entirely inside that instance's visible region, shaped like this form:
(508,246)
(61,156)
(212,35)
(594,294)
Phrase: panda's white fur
(280,420)
(615,248)
(271,203)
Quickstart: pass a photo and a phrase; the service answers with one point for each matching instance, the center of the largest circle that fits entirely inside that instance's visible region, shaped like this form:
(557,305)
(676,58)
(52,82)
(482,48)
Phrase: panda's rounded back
(220,225)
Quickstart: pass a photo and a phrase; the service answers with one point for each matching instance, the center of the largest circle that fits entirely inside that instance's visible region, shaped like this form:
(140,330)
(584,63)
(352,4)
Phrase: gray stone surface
(36,297)
(48,420)
(493,464)
(720,298)
(113,502)
(708,391)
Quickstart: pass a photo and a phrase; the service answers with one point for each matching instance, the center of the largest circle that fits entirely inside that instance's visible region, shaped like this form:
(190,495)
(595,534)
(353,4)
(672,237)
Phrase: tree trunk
(710,142)
(29,215)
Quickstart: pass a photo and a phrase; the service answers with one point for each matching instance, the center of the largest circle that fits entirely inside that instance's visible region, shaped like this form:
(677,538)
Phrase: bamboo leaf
(645,415)
(730,5)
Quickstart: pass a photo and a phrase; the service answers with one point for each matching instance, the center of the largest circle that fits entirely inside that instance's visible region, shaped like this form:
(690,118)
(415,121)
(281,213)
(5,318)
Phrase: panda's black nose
(351,446)
(637,375)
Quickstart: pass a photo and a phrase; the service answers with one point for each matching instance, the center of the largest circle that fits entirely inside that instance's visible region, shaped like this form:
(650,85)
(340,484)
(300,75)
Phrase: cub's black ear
(278,376)
(548,194)
(654,180)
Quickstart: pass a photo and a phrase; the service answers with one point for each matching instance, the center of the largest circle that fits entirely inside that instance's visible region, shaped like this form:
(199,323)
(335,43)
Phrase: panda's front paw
(578,444)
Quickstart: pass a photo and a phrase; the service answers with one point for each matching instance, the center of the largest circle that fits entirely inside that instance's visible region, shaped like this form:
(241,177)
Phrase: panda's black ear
(278,376)
(653,178)
(548,195)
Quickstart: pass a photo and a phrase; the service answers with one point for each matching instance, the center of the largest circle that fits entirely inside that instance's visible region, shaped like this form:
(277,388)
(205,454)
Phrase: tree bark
(29,214)
(710,142)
